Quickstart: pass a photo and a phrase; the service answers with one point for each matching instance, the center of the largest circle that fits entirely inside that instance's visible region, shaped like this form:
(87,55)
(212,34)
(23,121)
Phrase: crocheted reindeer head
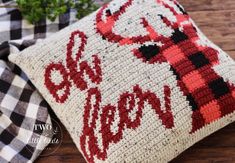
(188,60)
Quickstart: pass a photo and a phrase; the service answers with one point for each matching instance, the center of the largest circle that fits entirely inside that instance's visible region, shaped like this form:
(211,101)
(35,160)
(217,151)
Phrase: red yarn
(126,103)
(75,71)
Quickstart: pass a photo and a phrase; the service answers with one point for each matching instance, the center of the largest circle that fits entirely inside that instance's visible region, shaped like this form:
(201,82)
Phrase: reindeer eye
(149,51)
(108,12)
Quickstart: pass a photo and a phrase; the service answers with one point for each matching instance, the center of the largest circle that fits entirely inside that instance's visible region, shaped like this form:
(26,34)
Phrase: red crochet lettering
(126,103)
(186,57)
(73,71)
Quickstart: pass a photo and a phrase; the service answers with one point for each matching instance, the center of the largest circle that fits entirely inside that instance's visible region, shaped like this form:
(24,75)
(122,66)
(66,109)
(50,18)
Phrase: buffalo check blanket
(21,107)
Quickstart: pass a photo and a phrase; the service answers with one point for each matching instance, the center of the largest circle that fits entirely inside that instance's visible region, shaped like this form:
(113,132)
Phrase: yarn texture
(136,81)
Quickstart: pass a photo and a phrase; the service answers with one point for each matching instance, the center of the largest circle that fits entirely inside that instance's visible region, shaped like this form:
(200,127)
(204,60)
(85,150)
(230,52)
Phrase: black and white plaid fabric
(21,106)
(21,109)
(17,34)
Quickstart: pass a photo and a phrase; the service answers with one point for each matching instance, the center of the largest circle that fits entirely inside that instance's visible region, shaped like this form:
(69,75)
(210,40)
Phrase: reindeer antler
(180,17)
(105,27)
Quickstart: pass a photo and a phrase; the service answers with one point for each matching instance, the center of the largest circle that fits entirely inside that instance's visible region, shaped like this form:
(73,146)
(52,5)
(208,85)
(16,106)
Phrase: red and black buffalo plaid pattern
(206,91)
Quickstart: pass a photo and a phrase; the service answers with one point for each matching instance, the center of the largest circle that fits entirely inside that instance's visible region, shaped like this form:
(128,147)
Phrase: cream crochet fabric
(135,81)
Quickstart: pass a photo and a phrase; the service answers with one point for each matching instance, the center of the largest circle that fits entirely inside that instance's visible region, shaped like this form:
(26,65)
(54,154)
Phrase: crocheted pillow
(135,81)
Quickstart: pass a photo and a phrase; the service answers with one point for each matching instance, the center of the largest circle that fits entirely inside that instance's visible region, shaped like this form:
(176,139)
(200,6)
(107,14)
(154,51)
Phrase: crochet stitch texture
(135,81)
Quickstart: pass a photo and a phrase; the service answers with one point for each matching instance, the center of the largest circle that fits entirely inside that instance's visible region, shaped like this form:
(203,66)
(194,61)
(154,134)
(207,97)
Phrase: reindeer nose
(149,51)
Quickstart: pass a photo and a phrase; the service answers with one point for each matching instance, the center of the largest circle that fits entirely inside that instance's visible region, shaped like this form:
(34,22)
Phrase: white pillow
(135,81)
